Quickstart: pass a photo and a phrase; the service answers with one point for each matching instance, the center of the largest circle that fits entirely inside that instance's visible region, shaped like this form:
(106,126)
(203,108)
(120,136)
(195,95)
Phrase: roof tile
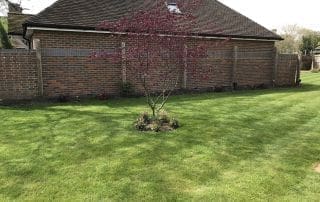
(213,18)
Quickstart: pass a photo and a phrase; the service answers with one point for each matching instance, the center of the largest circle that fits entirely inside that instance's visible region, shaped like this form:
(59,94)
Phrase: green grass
(243,146)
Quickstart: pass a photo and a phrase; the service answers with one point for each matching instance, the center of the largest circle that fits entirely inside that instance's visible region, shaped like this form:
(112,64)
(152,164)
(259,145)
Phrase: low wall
(18,74)
(287,69)
(306,62)
(71,72)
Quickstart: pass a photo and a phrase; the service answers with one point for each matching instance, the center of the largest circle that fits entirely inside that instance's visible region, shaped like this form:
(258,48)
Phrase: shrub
(102,96)
(218,89)
(126,89)
(260,86)
(146,117)
(154,126)
(4,40)
(160,123)
(164,117)
(63,98)
(143,121)
(141,125)
(174,123)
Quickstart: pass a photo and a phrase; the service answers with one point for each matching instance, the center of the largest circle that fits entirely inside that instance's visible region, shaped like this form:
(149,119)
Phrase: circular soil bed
(160,123)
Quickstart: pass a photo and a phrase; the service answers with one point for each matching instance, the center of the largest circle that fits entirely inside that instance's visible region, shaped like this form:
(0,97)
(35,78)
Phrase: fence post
(275,67)
(313,61)
(299,67)
(234,67)
(37,47)
(317,61)
(185,72)
(123,62)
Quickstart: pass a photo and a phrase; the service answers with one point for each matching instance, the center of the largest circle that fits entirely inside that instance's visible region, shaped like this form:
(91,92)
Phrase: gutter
(82,29)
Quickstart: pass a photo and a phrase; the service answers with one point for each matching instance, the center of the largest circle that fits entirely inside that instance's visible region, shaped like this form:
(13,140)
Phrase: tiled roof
(213,17)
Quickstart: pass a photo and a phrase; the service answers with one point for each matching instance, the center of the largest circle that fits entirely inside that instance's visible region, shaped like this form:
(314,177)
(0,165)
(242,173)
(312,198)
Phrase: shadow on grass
(52,138)
(134,102)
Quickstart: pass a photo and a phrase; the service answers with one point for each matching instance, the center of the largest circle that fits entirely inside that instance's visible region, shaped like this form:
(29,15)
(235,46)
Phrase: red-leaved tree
(157,49)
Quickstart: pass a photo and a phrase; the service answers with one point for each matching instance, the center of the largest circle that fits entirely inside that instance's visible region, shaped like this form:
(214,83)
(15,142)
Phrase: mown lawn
(252,145)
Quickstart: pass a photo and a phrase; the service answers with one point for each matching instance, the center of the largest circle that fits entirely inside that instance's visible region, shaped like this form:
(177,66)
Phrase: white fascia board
(31,29)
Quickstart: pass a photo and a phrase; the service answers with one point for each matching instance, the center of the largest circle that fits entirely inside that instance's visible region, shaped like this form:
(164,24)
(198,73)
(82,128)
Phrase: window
(173,7)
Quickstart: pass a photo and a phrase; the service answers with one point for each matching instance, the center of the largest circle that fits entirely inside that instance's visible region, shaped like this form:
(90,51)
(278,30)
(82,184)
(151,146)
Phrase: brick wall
(306,62)
(254,64)
(286,71)
(18,74)
(68,69)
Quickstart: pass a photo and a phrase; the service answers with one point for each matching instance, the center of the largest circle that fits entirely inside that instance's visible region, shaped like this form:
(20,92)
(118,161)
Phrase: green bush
(143,121)
(141,125)
(126,89)
(174,123)
(4,40)
(162,122)
(164,117)
(154,126)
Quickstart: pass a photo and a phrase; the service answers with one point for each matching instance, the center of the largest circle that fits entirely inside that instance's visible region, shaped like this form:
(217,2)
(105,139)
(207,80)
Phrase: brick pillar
(234,68)
(123,62)
(37,47)
(299,67)
(275,67)
(185,67)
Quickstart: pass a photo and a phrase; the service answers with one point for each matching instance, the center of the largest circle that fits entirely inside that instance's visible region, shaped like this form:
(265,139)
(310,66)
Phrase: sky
(272,14)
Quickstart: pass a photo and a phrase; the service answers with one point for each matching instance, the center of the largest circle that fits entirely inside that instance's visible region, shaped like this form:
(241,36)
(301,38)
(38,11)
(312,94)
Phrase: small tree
(297,39)
(310,43)
(292,39)
(4,39)
(158,42)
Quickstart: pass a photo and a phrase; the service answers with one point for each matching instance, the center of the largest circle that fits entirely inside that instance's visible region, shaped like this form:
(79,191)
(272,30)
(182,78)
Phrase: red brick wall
(286,71)
(216,71)
(72,75)
(158,75)
(67,69)
(18,74)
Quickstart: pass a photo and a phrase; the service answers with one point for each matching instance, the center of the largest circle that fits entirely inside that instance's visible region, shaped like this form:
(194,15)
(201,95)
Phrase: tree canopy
(310,43)
(298,40)
(4,39)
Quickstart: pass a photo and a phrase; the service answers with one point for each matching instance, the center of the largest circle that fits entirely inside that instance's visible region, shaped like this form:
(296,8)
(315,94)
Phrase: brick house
(66,33)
